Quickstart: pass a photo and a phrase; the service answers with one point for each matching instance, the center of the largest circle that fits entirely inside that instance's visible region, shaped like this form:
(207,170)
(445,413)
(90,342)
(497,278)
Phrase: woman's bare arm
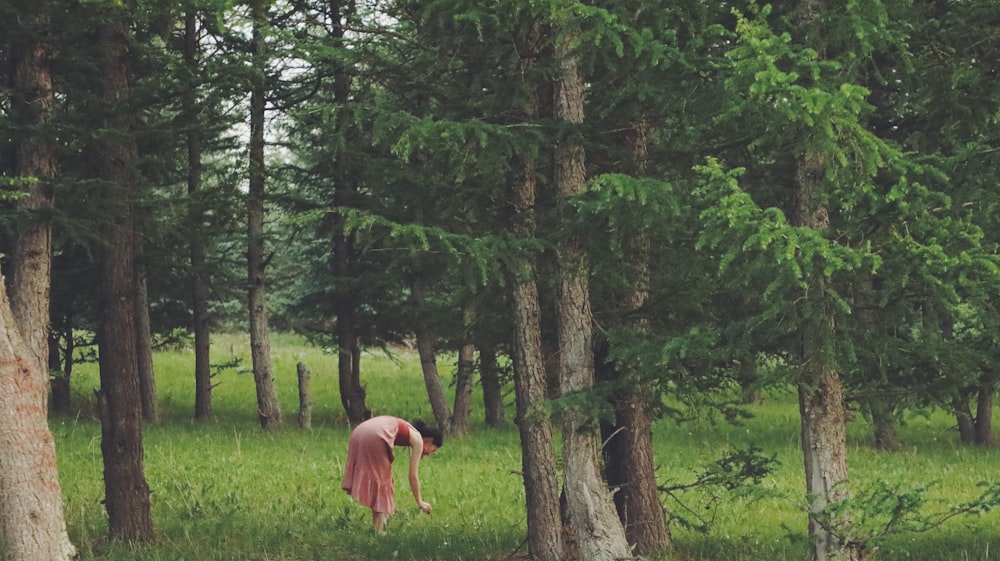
(416,452)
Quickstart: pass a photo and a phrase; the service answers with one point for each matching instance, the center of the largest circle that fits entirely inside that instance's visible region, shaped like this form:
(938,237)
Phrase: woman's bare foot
(378,521)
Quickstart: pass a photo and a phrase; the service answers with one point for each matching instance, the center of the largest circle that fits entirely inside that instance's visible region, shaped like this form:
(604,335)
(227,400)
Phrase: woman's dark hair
(434,434)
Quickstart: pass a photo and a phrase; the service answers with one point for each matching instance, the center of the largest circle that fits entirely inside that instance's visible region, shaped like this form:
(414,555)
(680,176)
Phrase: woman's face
(429,447)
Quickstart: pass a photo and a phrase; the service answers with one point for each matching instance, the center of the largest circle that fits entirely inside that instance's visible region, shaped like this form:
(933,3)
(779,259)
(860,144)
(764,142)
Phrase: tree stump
(305,402)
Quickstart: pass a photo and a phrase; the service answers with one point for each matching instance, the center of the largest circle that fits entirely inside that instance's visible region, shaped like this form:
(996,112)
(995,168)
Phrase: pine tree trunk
(538,461)
(352,393)
(883,425)
(268,408)
(870,315)
(640,509)
(32,106)
(196,239)
(628,450)
(63,369)
(305,399)
(630,469)
(127,495)
(490,379)
(638,500)
(464,376)
(32,525)
(530,389)
(595,523)
(144,348)
(428,360)
(960,401)
(822,407)
(749,378)
(984,410)
(824,448)
(964,417)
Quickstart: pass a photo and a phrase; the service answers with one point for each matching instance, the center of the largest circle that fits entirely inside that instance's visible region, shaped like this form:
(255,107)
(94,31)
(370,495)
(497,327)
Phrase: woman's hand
(425,506)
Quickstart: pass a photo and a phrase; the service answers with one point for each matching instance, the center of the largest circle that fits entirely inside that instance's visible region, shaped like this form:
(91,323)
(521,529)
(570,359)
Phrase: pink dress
(368,474)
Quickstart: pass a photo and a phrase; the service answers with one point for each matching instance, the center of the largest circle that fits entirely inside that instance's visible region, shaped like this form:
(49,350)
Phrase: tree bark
(144,347)
(628,451)
(883,425)
(196,236)
(749,378)
(305,400)
(960,401)
(538,461)
(630,467)
(640,507)
(638,499)
(964,417)
(32,525)
(352,393)
(465,374)
(428,360)
(598,531)
(127,495)
(870,315)
(489,376)
(32,106)
(62,368)
(530,389)
(824,450)
(822,408)
(984,410)
(268,408)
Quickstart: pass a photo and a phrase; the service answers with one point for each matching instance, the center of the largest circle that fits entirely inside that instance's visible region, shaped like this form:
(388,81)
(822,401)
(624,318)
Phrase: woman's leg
(378,521)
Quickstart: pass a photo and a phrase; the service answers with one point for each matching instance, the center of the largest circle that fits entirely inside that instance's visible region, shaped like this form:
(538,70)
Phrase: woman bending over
(368,474)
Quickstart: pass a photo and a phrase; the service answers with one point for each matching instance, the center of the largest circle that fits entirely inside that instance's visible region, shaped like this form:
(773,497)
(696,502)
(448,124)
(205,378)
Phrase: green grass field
(227,491)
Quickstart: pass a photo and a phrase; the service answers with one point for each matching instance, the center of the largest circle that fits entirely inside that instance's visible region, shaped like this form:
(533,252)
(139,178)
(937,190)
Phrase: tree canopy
(733,195)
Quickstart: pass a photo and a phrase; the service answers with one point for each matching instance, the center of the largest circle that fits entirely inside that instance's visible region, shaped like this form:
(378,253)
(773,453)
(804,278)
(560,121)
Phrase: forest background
(227,491)
(623,212)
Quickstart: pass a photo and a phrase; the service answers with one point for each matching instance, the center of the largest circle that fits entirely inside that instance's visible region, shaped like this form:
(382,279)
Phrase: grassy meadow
(227,491)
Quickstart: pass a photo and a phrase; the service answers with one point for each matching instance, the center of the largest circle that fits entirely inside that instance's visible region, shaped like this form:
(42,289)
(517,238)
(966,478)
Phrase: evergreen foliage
(391,131)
